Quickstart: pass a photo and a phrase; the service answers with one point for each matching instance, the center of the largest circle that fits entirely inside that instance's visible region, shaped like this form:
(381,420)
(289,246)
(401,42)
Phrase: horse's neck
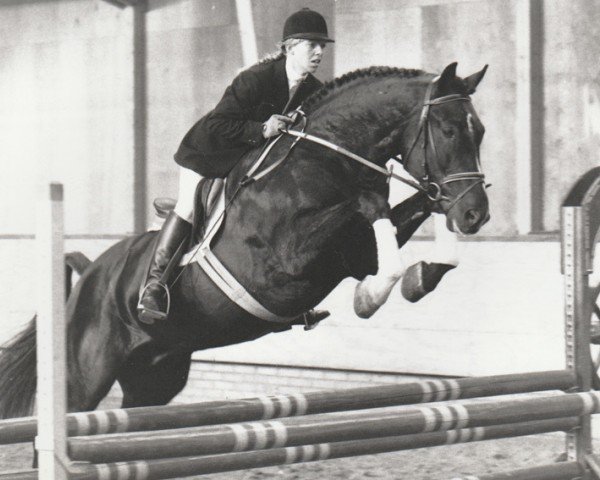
(369,125)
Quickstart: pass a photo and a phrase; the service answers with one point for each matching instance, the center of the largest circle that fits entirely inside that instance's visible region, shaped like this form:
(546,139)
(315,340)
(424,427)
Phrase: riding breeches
(188,181)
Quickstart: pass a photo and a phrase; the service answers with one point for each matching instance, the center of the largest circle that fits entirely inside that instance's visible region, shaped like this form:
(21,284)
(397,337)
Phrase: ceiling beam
(124,3)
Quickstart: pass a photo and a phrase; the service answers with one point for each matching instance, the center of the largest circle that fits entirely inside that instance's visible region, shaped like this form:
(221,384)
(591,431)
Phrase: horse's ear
(448,74)
(472,81)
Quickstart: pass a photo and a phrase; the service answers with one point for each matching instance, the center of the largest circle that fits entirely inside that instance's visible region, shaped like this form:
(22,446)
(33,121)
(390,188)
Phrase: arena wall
(67,113)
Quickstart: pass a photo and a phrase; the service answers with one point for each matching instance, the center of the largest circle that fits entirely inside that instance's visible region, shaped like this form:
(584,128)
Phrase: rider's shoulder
(261,69)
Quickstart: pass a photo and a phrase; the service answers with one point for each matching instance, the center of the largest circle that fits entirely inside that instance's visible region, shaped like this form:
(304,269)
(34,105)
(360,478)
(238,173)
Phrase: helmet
(306,24)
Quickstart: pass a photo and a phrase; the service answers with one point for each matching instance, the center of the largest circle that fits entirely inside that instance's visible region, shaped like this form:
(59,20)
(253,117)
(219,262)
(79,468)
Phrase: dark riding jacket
(219,139)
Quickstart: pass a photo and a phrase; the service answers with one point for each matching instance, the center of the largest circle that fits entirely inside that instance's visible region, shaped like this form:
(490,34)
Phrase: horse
(289,237)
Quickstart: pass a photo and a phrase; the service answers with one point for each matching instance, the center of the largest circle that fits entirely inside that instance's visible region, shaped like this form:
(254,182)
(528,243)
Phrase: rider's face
(305,56)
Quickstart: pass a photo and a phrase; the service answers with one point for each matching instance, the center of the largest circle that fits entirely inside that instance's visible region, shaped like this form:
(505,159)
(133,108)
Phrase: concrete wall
(572,92)
(65,112)
(425,35)
(66,90)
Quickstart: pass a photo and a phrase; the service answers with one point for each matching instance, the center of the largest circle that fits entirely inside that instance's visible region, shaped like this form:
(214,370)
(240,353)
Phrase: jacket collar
(307,86)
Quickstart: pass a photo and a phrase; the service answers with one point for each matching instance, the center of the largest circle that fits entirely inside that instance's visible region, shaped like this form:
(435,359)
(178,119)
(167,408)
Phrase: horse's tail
(18,374)
(74,261)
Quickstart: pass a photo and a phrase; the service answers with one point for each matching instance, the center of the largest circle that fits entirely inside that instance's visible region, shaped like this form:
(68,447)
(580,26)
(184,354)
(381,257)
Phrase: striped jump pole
(326,428)
(279,406)
(201,465)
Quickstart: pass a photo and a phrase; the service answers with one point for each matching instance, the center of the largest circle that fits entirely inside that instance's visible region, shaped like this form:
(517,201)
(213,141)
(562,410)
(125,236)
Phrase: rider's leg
(169,247)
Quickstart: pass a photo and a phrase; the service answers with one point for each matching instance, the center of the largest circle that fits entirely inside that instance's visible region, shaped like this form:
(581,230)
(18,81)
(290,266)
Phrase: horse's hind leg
(150,377)
(97,346)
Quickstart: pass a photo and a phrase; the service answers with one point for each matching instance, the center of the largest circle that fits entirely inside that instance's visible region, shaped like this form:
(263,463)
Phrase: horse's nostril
(472,216)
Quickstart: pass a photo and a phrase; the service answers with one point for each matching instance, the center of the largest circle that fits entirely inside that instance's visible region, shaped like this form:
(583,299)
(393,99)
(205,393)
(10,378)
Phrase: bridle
(431,189)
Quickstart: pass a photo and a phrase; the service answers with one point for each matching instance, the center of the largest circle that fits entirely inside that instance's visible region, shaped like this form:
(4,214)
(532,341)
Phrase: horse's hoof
(422,278)
(364,307)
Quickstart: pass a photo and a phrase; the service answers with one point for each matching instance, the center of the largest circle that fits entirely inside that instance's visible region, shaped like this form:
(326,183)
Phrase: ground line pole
(51,356)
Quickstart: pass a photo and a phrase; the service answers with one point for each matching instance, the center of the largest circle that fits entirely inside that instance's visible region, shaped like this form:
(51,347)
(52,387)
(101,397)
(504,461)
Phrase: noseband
(432,189)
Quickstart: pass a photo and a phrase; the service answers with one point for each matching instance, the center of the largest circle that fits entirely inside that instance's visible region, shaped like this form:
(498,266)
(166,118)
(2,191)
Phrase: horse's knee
(373,206)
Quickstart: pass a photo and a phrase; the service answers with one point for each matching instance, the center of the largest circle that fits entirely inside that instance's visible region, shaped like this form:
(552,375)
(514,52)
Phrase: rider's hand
(274,124)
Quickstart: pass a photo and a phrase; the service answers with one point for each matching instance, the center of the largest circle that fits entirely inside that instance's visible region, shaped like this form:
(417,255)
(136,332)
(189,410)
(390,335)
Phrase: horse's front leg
(424,276)
(372,292)
(409,215)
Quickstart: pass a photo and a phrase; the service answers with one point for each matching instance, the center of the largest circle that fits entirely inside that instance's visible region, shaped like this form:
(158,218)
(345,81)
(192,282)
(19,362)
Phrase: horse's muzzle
(469,222)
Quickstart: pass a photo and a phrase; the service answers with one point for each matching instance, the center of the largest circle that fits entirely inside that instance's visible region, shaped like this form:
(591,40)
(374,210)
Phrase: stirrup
(149,313)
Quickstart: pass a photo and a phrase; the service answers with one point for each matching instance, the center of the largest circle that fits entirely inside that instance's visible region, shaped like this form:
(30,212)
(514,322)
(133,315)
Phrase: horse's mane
(374,72)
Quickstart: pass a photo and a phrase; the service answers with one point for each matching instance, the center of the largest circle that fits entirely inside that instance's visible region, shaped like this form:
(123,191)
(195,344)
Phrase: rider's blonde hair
(282,49)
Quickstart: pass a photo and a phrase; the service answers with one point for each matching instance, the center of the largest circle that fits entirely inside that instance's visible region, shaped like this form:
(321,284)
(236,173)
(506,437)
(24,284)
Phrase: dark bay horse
(289,237)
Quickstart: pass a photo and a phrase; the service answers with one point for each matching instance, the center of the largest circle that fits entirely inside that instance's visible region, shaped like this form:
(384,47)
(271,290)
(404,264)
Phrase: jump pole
(51,442)
(289,405)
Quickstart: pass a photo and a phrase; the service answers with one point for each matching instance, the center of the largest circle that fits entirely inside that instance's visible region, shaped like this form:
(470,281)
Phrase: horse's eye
(448,132)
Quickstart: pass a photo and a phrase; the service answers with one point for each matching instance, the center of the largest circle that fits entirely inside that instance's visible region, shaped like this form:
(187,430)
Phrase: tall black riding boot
(170,245)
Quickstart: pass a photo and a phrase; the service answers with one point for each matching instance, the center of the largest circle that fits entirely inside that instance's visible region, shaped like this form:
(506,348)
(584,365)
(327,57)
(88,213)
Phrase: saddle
(206,196)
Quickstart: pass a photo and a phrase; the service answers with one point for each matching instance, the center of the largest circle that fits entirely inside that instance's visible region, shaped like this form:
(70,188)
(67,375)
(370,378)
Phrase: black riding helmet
(306,24)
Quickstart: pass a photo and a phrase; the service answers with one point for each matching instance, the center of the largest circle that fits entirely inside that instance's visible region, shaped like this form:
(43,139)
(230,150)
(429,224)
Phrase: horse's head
(442,150)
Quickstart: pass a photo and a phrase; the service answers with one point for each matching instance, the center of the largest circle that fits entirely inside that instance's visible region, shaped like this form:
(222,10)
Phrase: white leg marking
(445,249)
(374,290)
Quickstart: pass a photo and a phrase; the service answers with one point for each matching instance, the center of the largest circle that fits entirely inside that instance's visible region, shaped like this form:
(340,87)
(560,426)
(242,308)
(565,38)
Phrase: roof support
(529,124)
(247,31)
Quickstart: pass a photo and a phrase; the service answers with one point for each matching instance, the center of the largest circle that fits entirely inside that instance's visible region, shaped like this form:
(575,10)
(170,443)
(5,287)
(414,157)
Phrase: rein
(431,189)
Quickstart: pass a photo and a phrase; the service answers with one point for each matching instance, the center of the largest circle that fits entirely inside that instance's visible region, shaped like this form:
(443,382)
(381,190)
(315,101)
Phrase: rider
(251,111)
